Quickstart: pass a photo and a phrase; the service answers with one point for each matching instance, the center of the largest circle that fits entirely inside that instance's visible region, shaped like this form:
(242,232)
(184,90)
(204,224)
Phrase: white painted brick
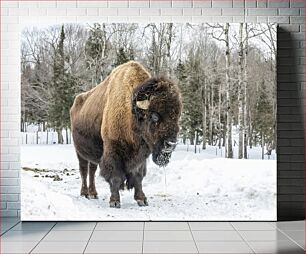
(250,19)
(297,3)
(9,213)
(93,19)
(302,11)
(9,173)
(171,12)
(262,19)
(262,12)
(181,19)
(160,3)
(92,4)
(8,181)
(4,11)
(118,19)
(201,19)
(14,150)
(9,197)
(139,3)
(9,157)
(92,11)
(297,19)
(202,3)
(66,4)
(222,3)
(238,3)
(211,11)
(279,19)
(150,12)
(118,4)
(128,11)
(10,189)
(108,11)
(76,12)
(56,12)
(262,3)
(192,11)
(278,3)
(233,12)
(47,4)
(139,19)
(182,3)
(38,11)
(250,3)
(28,4)
(18,12)
(14,166)
(13,205)
(160,19)
(221,19)
(288,11)
(9,4)
(239,19)
(3,205)
(65,19)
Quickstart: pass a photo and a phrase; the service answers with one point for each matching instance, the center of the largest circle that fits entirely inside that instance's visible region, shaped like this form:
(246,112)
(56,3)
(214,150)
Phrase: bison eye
(155,117)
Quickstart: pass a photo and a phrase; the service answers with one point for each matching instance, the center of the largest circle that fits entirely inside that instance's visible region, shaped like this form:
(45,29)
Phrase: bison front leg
(139,195)
(83,166)
(112,171)
(92,192)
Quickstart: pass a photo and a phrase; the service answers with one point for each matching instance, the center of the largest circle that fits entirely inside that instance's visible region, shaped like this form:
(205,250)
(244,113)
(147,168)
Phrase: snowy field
(201,186)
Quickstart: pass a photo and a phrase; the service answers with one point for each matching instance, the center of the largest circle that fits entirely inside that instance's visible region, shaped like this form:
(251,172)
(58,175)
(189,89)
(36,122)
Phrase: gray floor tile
(253,226)
(63,226)
(106,236)
(221,226)
(273,235)
(167,236)
(166,226)
(114,247)
(291,225)
(60,247)
(295,234)
(216,236)
(17,247)
(23,236)
(169,247)
(120,226)
(33,226)
(67,236)
(223,247)
(276,247)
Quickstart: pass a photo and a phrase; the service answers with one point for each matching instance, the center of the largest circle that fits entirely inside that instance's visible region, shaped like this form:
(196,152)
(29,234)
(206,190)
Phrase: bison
(119,124)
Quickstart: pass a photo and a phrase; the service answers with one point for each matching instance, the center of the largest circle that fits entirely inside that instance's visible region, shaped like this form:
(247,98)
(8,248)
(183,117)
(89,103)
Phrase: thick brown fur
(110,129)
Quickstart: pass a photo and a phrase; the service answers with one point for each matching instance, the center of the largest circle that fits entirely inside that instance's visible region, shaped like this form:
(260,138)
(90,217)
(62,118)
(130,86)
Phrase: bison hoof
(93,196)
(114,204)
(142,202)
(84,193)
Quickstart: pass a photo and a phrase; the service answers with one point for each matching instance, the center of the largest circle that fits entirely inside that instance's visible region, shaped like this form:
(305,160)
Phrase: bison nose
(170,145)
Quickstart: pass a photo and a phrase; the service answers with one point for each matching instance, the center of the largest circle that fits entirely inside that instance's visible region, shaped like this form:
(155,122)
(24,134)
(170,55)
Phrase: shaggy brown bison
(119,123)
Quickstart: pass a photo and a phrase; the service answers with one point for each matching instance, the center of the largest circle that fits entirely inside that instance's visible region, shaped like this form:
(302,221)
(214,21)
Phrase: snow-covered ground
(201,186)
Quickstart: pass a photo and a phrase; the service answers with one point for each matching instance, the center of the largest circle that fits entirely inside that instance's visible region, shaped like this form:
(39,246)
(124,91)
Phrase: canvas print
(157,121)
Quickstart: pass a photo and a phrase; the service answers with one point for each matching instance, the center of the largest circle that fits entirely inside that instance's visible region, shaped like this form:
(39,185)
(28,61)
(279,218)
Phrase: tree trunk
(245,90)
(204,121)
(67,138)
(241,93)
(60,139)
(262,146)
(229,152)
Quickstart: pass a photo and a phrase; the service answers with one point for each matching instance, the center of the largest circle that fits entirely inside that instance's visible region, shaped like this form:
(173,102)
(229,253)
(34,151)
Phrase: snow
(201,186)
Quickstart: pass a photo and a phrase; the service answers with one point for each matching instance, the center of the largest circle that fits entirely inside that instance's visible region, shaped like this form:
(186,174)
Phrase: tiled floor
(152,237)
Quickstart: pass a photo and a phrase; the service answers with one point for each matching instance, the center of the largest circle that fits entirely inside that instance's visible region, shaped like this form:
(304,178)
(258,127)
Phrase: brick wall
(290,14)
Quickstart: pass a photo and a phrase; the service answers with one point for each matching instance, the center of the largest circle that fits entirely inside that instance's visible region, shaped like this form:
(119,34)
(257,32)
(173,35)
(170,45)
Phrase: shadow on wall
(290,129)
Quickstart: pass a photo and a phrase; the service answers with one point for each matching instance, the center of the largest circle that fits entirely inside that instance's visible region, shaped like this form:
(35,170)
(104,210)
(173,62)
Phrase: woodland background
(226,72)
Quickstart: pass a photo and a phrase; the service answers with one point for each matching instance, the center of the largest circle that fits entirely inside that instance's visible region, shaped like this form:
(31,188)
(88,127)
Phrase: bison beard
(119,123)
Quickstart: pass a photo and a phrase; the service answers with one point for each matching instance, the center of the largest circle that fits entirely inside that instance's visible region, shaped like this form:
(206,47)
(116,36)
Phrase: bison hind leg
(92,192)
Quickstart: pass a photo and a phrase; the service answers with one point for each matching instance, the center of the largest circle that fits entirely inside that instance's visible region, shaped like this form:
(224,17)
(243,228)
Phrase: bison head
(157,108)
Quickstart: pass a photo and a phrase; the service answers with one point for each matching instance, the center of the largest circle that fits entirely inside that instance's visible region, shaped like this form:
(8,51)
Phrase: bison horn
(143,104)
